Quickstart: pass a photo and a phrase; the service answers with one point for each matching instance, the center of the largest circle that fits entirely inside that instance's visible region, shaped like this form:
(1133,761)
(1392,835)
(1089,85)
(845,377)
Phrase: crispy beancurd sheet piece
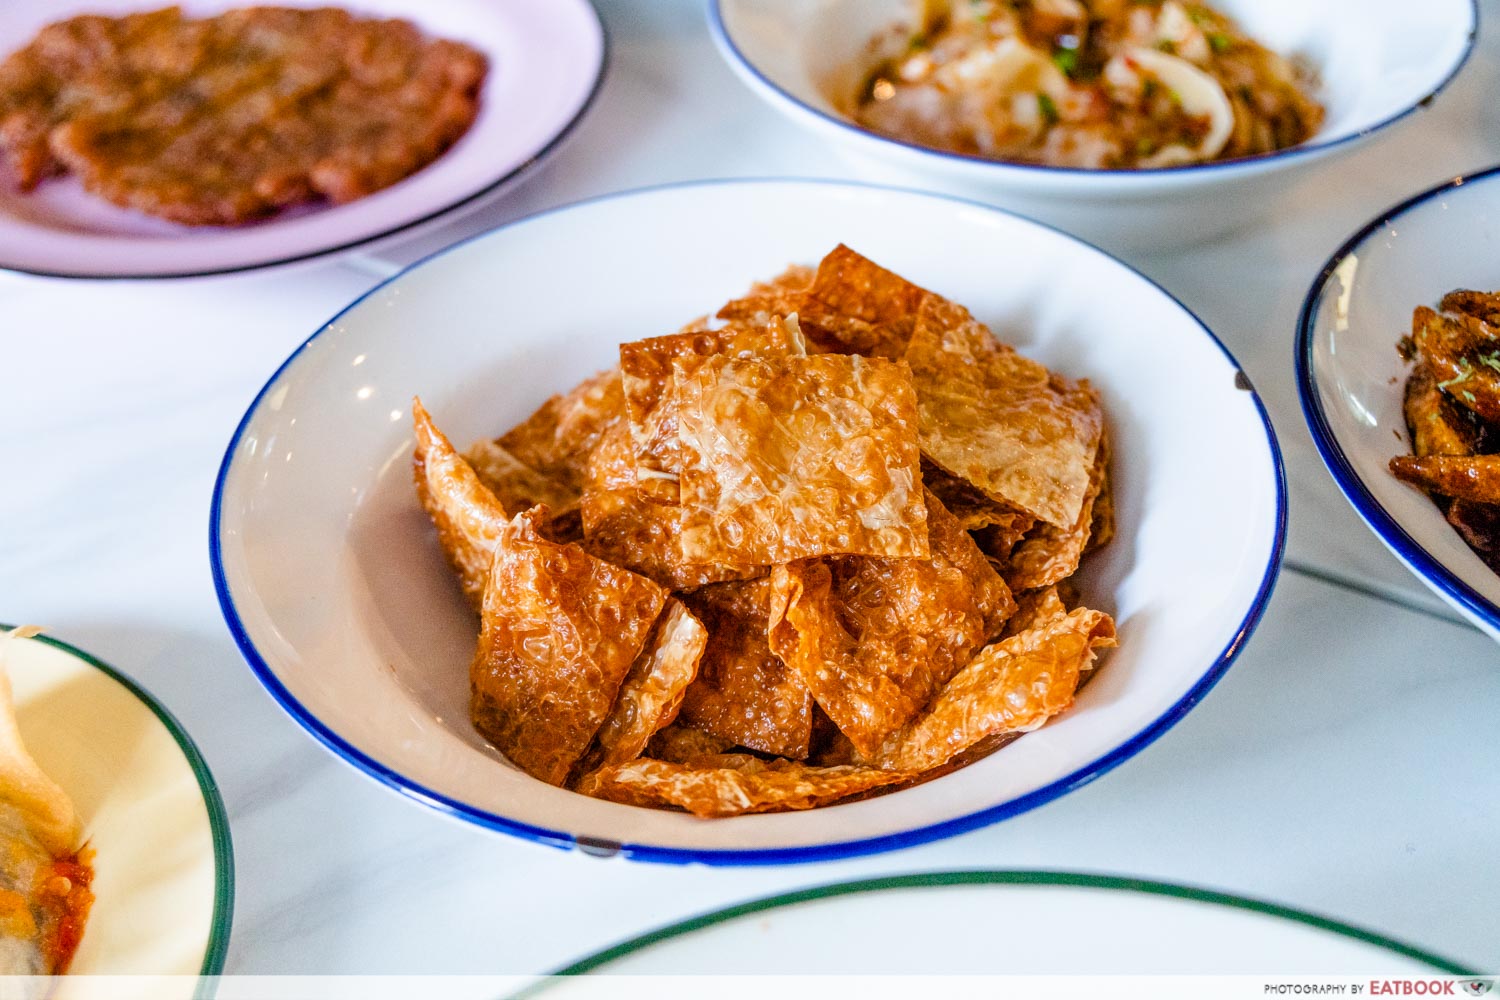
(519,488)
(557,439)
(1484,306)
(797,457)
(560,631)
(1001,422)
(734,784)
(1049,553)
(781,296)
(973,509)
(623,527)
(1035,608)
(651,694)
(1464,477)
(1102,528)
(1464,354)
(744,693)
(874,639)
(855,305)
(1013,686)
(680,744)
(468,517)
(647,367)
(1436,425)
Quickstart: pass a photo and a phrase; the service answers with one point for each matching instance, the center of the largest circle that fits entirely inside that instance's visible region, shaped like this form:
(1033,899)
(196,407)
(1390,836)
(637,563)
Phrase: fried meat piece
(1464,355)
(1463,477)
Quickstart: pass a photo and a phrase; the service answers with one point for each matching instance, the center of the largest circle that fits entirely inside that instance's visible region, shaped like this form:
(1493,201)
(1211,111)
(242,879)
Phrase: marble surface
(1346,764)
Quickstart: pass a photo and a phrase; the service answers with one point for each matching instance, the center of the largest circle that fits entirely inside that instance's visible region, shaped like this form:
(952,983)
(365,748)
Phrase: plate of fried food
(898,537)
(117,858)
(210,137)
(1012,923)
(1143,122)
(1398,356)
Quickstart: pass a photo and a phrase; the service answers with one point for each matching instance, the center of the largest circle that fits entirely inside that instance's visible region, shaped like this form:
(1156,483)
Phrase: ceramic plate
(331,579)
(1351,378)
(1378,62)
(546,61)
(163,866)
(1009,923)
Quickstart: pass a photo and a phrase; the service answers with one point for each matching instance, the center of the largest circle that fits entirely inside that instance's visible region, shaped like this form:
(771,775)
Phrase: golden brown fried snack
(797,457)
(874,639)
(734,784)
(467,515)
(1465,477)
(1434,422)
(1464,355)
(1013,686)
(646,367)
(744,693)
(1035,608)
(679,744)
(855,305)
(519,488)
(558,438)
(781,296)
(973,509)
(622,526)
(560,631)
(651,694)
(1049,553)
(1000,422)
(226,119)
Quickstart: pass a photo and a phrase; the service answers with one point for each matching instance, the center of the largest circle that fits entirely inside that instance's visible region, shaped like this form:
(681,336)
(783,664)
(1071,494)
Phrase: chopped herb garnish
(1168,46)
(1219,41)
(1048,108)
(1464,371)
(1066,60)
(1468,395)
(1491,360)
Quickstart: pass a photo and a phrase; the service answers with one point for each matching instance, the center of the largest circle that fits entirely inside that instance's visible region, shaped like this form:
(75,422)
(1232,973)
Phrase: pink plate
(546,61)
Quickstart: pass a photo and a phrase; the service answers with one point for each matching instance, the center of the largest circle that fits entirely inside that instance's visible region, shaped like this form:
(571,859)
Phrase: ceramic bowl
(1350,376)
(151,811)
(331,579)
(1378,62)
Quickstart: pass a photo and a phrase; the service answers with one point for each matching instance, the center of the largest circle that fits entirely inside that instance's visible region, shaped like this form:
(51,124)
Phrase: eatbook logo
(1477,987)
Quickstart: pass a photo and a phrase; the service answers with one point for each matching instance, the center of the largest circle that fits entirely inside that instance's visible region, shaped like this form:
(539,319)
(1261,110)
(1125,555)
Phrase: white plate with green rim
(163,865)
(1008,923)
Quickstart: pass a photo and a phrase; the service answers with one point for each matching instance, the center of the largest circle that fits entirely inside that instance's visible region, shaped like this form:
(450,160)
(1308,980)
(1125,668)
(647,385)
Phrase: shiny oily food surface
(751,594)
(1117,84)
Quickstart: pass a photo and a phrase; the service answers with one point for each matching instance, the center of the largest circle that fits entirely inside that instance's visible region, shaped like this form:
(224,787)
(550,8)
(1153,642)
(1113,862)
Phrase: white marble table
(1347,764)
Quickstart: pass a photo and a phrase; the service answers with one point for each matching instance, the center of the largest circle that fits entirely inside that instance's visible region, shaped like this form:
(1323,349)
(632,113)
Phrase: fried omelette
(222,120)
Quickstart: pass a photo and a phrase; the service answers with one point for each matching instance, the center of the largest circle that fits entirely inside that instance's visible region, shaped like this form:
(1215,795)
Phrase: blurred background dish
(150,810)
(334,586)
(546,58)
(1376,61)
(1351,377)
(1008,923)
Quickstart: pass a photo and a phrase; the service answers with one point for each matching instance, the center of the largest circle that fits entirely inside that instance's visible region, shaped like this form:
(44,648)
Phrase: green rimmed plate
(163,864)
(1010,923)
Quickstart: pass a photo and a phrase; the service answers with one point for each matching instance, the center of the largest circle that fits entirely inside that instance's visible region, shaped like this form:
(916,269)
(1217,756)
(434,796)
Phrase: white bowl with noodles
(151,814)
(1351,378)
(1378,61)
(332,582)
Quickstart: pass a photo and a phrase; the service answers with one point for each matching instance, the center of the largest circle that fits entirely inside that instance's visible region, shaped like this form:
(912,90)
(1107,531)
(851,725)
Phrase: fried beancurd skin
(468,517)
(973,509)
(1035,608)
(560,632)
(735,784)
(854,305)
(1049,553)
(1463,477)
(798,457)
(1464,355)
(1013,686)
(221,120)
(1002,423)
(651,694)
(744,693)
(680,744)
(781,296)
(519,487)
(647,367)
(622,526)
(558,438)
(874,639)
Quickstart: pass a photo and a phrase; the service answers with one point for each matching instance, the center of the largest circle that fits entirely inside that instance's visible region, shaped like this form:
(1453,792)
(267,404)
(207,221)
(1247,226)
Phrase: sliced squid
(1199,94)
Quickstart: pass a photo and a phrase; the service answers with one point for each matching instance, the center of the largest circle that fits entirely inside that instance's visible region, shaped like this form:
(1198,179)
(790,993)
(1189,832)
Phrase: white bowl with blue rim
(1378,62)
(331,580)
(1351,378)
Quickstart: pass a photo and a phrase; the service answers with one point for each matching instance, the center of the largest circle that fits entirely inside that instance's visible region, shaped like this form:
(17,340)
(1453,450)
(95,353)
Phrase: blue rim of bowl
(982,877)
(1410,551)
(742,64)
(213,803)
(452,208)
(766,856)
